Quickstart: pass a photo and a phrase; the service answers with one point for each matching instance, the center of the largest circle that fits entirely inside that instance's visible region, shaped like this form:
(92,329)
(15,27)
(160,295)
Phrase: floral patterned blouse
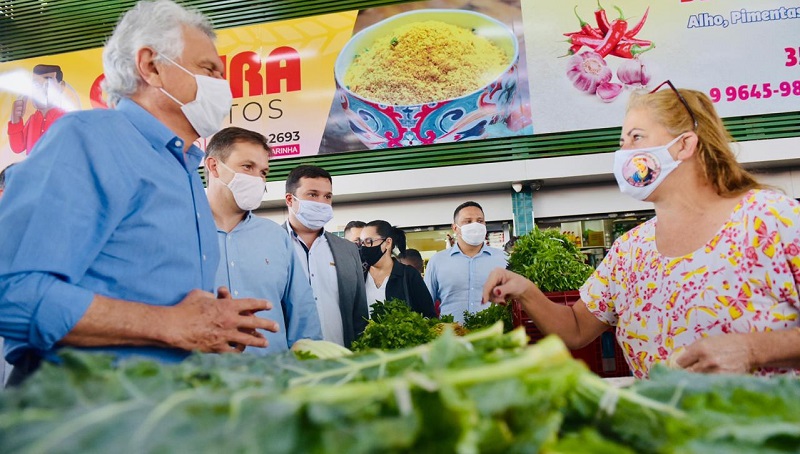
(744,279)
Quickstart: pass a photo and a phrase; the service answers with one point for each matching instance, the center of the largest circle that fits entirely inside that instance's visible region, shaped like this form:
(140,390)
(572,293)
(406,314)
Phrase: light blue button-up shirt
(457,280)
(258,261)
(107,203)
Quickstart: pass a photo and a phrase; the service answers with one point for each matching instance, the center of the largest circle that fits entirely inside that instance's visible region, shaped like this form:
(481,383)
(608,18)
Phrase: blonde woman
(711,282)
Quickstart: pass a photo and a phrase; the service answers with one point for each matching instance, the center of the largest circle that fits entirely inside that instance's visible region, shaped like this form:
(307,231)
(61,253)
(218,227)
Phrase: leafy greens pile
(394,325)
(484,392)
(550,260)
(488,317)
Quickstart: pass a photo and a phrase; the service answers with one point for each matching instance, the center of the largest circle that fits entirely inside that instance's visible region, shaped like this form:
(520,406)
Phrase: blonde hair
(718,164)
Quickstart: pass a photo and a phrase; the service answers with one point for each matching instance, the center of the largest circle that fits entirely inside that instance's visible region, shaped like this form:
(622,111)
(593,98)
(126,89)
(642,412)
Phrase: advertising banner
(453,70)
(384,77)
(36,92)
(586,57)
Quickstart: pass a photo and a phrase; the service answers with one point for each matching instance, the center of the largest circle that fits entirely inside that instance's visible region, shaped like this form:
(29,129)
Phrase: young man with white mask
(455,276)
(332,264)
(114,246)
(257,257)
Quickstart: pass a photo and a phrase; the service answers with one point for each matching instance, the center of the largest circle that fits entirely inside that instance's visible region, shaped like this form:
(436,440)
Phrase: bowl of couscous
(427,76)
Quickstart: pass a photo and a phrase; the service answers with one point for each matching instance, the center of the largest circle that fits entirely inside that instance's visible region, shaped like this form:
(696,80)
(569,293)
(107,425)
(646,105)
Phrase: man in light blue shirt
(258,258)
(455,276)
(108,241)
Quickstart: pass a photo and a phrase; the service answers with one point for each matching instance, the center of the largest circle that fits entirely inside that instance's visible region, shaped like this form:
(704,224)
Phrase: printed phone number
(282,137)
(755,91)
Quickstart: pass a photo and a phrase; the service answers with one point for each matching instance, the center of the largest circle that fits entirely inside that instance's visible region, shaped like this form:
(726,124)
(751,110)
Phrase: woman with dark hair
(387,278)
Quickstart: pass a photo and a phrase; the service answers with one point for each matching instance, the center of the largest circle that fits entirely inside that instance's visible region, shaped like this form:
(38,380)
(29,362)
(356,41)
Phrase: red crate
(603,355)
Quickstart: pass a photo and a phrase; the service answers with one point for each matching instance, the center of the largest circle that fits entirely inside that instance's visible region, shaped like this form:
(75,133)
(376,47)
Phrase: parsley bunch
(550,260)
(488,317)
(394,325)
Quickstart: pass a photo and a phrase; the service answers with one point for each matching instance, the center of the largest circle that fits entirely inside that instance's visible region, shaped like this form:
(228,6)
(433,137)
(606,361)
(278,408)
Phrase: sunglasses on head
(680,97)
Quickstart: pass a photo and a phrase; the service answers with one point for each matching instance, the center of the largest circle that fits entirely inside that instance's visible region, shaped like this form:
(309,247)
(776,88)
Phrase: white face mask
(639,172)
(211,103)
(313,215)
(247,190)
(473,234)
(48,96)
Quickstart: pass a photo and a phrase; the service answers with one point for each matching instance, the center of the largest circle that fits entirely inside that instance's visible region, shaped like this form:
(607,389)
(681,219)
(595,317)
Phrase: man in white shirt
(332,264)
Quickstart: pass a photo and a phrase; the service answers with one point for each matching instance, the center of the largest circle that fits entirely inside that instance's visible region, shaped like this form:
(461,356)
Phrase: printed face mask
(639,172)
(370,255)
(211,103)
(473,234)
(247,190)
(313,215)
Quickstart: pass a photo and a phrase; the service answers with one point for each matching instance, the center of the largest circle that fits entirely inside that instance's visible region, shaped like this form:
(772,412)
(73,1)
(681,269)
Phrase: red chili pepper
(630,50)
(586,28)
(614,35)
(602,20)
(580,40)
(572,50)
(583,40)
(636,29)
(641,42)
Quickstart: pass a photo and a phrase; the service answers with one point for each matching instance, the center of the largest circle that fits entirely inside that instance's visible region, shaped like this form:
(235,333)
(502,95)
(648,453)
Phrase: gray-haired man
(114,247)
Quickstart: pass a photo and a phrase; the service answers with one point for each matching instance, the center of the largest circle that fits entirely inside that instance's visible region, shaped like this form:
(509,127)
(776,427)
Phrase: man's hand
(727,353)
(18,109)
(209,324)
(503,284)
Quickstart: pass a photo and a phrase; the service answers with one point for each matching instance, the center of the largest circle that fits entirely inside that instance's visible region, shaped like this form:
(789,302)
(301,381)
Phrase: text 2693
(283,137)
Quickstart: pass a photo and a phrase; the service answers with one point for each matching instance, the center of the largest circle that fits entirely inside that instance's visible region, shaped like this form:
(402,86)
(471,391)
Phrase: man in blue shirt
(108,241)
(455,276)
(258,258)
(5,368)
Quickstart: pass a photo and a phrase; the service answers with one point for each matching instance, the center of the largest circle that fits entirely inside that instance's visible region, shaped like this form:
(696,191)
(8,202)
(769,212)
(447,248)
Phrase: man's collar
(248,216)
(239,225)
(455,249)
(157,133)
(291,230)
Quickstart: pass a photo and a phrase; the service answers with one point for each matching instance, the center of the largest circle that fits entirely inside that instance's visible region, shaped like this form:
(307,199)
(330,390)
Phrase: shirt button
(198,214)
(178,143)
(236,292)
(204,257)
(231,263)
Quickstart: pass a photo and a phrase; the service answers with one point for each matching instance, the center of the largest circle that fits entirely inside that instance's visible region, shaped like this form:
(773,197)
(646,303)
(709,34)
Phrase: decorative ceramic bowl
(466,117)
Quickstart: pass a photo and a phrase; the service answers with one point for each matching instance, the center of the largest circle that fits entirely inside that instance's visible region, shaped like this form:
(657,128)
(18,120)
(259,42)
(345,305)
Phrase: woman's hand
(727,353)
(503,284)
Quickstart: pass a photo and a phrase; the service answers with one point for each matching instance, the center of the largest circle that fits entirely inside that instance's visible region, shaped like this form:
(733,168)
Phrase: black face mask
(370,255)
